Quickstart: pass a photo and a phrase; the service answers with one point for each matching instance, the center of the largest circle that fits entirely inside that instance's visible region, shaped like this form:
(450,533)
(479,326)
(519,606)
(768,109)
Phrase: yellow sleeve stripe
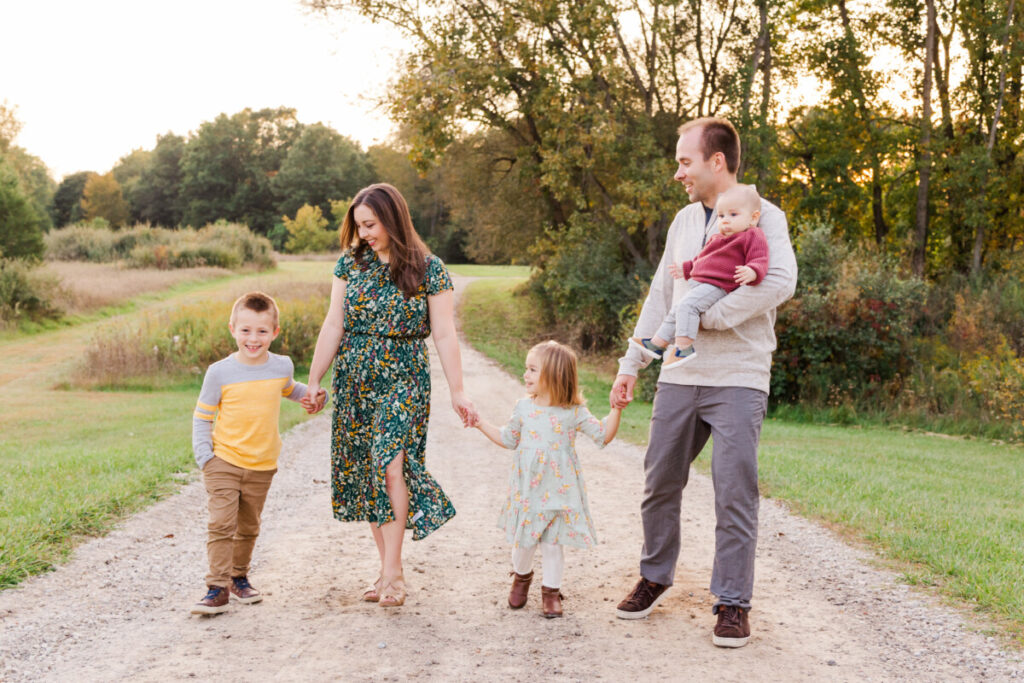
(202,416)
(203,406)
(288,388)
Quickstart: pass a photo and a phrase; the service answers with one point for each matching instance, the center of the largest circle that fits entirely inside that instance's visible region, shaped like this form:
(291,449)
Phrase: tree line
(910,146)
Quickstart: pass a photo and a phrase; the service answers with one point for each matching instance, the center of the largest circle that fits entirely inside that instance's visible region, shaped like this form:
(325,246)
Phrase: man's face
(696,174)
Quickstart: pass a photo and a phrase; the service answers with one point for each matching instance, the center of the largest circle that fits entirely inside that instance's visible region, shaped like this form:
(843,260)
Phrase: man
(721,393)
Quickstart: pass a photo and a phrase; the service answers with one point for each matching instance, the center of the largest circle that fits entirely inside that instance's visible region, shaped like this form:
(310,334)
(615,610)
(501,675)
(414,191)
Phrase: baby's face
(734,216)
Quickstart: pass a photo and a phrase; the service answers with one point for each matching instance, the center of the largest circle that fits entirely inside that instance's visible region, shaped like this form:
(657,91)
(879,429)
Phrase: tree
(10,126)
(157,195)
(67,200)
(102,198)
(227,167)
(21,233)
(321,165)
(127,172)
(307,231)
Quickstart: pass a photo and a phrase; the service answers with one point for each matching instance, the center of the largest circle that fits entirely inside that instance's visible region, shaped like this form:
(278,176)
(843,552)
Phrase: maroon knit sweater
(716,263)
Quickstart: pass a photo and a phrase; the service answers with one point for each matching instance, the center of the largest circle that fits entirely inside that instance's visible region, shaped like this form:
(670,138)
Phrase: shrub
(307,233)
(849,331)
(26,292)
(225,245)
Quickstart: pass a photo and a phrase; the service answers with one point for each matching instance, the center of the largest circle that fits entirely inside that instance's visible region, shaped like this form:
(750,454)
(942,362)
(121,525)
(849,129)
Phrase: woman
(389,293)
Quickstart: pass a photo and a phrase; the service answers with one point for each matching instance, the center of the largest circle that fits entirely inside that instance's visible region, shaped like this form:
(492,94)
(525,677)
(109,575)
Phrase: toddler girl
(547,499)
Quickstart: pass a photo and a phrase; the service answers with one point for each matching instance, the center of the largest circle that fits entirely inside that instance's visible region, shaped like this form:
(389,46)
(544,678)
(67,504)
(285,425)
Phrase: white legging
(552,561)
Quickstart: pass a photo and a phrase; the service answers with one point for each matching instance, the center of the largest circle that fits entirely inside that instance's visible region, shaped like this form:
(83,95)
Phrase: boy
(738,255)
(238,455)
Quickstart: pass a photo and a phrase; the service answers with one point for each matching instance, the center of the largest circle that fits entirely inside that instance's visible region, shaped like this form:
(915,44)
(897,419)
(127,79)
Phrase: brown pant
(236,496)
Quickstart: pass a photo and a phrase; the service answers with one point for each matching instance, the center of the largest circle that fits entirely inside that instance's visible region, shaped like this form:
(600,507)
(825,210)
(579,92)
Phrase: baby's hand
(744,275)
(676,270)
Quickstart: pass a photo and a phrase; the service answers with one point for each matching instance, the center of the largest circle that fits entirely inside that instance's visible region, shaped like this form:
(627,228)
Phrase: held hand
(744,275)
(622,391)
(676,271)
(465,409)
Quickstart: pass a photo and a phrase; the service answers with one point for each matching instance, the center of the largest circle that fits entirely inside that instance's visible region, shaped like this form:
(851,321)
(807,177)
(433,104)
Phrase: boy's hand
(314,404)
(744,275)
(676,271)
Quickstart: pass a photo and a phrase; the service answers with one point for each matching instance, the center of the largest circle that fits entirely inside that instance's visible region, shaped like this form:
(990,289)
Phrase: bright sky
(93,80)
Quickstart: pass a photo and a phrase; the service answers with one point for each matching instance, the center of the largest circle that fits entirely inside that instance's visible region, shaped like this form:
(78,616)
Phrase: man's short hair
(717,135)
(257,302)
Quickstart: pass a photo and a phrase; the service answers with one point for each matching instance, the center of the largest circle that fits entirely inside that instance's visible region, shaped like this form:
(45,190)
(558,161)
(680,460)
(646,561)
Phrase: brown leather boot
(552,601)
(520,589)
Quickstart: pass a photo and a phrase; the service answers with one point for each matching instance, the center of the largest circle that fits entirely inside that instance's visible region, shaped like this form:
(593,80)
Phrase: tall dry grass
(86,287)
(170,346)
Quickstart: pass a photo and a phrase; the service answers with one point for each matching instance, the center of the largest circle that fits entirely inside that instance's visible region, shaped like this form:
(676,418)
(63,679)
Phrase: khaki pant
(236,496)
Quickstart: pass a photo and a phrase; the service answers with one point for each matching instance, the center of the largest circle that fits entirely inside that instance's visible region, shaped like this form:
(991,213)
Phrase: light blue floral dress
(547,499)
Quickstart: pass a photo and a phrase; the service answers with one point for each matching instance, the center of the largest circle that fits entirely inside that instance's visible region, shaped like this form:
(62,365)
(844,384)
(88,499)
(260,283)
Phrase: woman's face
(371,231)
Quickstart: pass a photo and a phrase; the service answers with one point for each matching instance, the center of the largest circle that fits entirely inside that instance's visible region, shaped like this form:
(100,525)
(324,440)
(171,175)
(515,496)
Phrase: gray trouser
(684,320)
(683,419)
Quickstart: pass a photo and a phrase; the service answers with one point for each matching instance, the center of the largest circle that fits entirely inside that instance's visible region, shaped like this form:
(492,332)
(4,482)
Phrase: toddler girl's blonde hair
(558,373)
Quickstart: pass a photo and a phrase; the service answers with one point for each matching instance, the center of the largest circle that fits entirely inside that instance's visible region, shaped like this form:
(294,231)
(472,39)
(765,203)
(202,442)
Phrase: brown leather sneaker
(243,592)
(215,602)
(639,603)
(551,598)
(520,589)
(733,627)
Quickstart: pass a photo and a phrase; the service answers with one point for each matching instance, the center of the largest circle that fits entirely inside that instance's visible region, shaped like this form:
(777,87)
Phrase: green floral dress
(382,396)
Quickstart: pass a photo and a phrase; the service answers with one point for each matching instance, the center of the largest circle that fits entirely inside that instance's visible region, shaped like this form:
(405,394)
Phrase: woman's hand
(465,409)
(314,404)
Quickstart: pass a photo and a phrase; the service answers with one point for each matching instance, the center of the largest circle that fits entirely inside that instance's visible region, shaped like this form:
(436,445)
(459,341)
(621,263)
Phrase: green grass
(472,270)
(74,462)
(944,512)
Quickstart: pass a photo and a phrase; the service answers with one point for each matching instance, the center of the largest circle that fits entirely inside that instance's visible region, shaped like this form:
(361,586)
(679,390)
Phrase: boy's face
(734,216)
(253,333)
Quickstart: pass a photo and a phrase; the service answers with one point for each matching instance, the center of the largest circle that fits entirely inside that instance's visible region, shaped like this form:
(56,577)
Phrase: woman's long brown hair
(407,252)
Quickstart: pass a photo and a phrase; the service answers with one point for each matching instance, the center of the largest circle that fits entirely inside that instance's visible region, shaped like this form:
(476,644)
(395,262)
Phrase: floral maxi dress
(547,498)
(382,396)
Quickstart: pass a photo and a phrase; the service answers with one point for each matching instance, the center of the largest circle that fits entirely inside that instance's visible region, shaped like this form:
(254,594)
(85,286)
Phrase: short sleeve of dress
(438,278)
(345,264)
(511,432)
(590,425)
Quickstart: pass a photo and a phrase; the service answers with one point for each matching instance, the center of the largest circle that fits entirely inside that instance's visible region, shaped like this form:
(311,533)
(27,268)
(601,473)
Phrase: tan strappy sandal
(372,594)
(392,594)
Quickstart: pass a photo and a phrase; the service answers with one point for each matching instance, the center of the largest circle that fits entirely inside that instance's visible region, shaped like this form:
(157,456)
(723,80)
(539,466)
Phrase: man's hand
(744,275)
(622,391)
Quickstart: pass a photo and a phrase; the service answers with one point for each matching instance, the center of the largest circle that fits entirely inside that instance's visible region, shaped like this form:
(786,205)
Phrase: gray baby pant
(684,321)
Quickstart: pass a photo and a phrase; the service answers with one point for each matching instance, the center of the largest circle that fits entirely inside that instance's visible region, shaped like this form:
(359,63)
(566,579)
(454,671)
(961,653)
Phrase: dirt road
(119,609)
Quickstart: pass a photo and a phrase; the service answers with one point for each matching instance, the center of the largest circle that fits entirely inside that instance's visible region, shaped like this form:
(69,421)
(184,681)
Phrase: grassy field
(944,512)
(72,462)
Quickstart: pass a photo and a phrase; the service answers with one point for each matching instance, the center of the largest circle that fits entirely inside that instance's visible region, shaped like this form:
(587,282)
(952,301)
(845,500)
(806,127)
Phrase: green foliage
(307,232)
(321,165)
(21,234)
(25,293)
(128,172)
(850,329)
(156,198)
(226,167)
(67,200)
(36,183)
(102,198)
(582,279)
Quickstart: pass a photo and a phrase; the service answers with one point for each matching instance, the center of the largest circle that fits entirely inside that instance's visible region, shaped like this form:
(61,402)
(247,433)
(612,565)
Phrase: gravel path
(119,608)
